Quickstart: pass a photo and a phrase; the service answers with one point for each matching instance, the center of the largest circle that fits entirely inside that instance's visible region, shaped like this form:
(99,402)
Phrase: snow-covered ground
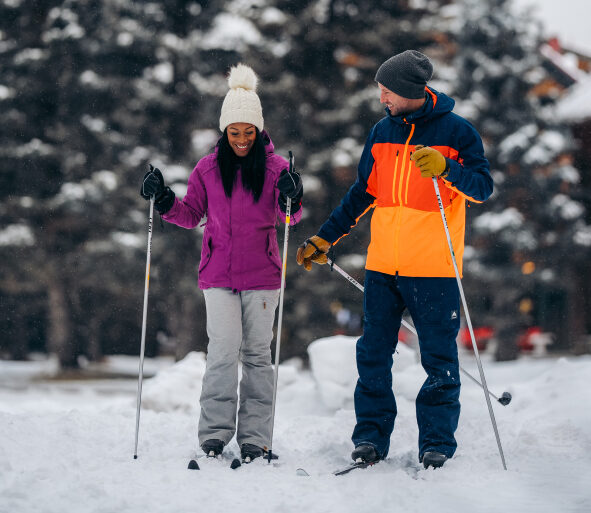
(67,446)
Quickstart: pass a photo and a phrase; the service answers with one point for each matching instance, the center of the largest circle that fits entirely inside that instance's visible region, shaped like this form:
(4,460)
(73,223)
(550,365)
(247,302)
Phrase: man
(408,260)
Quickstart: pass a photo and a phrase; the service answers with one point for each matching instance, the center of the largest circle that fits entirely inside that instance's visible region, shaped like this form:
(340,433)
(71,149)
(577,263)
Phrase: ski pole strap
(331,257)
(318,250)
(309,241)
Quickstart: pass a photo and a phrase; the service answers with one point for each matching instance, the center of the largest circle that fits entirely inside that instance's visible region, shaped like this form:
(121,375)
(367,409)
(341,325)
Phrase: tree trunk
(59,331)
(576,311)
(94,350)
(19,344)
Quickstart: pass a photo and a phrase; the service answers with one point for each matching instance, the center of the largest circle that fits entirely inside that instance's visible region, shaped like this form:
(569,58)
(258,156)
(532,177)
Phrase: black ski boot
(433,459)
(249,452)
(212,448)
(365,453)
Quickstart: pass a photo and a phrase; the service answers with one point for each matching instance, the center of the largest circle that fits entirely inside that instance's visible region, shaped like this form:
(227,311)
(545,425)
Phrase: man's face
(396,104)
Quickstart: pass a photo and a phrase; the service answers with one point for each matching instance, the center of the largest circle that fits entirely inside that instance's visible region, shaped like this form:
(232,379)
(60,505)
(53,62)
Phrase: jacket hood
(437,104)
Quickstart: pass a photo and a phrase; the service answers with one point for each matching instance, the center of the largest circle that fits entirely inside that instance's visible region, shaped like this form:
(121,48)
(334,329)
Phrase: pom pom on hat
(244,77)
(242,104)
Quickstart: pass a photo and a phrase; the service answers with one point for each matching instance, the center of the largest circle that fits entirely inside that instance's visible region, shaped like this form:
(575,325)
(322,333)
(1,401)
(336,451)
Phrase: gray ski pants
(240,329)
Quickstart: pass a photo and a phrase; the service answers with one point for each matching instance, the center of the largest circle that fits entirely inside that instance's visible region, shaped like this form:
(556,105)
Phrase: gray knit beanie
(406,74)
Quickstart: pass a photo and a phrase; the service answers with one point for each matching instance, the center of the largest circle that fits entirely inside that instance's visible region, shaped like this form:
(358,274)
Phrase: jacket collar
(436,104)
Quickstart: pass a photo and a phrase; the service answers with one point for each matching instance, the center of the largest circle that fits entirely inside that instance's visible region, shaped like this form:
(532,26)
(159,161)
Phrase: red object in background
(482,336)
(524,340)
(403,337)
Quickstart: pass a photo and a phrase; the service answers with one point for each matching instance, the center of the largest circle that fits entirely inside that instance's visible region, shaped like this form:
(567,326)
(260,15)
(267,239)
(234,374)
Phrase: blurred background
(92,91)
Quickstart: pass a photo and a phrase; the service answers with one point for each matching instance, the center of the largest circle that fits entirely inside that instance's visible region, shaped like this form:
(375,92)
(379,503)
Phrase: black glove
(153,185)
(290,186)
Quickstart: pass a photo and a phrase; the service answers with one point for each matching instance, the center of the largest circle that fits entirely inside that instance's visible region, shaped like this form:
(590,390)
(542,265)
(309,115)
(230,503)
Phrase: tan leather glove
(313,249)
(430,162)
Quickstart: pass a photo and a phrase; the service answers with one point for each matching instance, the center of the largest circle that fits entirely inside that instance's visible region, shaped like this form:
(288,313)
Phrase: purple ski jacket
(239,249)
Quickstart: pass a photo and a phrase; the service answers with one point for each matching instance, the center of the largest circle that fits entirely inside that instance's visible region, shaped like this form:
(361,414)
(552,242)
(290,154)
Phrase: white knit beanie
(241,104)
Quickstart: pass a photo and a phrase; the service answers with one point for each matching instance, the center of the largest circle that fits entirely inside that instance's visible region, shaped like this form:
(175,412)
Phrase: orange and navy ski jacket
(407,232)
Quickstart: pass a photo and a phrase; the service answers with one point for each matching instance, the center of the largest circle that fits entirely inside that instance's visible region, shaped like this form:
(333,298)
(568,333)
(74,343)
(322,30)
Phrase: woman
(242,188)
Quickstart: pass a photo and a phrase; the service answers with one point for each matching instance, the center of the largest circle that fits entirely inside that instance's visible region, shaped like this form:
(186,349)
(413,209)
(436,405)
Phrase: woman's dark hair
(253,165)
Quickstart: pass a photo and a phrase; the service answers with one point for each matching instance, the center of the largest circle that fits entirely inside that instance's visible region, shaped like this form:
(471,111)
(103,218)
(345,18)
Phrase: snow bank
(332,362)
(176,388)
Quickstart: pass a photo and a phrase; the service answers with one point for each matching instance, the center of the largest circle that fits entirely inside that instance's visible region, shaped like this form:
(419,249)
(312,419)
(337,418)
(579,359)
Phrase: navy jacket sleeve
(355,203)
(471,175)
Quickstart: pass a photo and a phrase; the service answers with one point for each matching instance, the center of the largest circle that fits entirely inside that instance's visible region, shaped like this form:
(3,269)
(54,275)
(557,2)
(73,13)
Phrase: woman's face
(241,137)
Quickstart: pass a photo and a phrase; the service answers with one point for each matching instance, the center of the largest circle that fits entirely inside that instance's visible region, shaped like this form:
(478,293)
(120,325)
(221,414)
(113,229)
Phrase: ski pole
(280,315)
(468,321)
(505,398)
(144,319)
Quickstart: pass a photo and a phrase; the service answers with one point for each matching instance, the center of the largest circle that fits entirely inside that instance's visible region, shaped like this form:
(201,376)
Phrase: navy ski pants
(434,305)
